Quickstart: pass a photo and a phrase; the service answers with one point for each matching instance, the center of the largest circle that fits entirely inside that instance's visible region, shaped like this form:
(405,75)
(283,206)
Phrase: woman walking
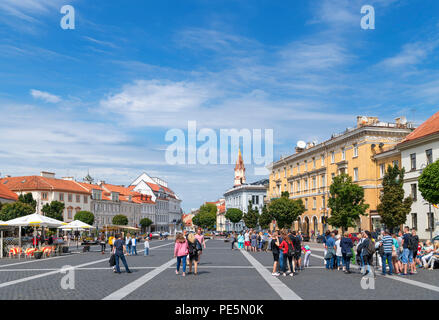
(288,252)
(338,253)
(241,241)
(103,243)
(254,241)
(180,252)
(128,244)
(200,239)
(193,252)
(275,250)
(346,251)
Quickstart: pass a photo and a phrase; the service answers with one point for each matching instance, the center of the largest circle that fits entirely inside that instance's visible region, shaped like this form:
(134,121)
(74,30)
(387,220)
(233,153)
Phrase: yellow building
(308,173)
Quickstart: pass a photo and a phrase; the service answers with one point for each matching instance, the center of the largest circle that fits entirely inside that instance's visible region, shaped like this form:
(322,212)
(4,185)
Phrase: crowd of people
(396,253)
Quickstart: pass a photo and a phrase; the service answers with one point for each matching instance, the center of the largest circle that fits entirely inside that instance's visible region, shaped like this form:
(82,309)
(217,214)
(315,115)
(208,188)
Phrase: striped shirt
(387,243)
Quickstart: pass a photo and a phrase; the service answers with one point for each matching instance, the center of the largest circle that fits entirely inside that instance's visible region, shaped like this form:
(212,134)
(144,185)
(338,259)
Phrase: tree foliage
(28,199)
(429,183)
(14,210)
(394,208)
(234,215)
(346,202)
(85,216)
(285,211)
(120,220)
(145,223)
(265,218)
(206,217)
(54,210)
(251,216)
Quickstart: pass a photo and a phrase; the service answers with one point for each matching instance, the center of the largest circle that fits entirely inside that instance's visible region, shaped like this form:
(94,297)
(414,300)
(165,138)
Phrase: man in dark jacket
(346,250)
(119,251)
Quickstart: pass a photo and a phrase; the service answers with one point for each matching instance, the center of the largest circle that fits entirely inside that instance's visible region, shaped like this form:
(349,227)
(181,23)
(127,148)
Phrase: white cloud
(45,96)
(411,54)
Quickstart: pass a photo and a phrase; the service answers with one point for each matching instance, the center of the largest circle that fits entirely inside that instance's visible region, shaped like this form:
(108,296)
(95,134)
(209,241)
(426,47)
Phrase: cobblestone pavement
(223,274)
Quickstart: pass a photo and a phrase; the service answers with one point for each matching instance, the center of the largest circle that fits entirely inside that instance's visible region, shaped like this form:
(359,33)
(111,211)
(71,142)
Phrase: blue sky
(101,97)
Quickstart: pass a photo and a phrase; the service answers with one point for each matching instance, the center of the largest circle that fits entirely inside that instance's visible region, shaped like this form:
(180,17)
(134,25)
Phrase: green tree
(206,217)
(54,210)
(234,215)
(393,207)
(251,216)
(285,211)
(14,210)
(429,183)
(120,220)
(145,223)
(28,199)
(85,216)
(265,218)
(346,202)
(285,194)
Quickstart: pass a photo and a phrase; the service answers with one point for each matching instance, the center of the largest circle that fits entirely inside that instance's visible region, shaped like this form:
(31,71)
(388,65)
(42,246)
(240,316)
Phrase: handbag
(112,260)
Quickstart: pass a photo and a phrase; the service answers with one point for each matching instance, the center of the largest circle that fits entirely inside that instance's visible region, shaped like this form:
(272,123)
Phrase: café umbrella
(76,225)
(33,220)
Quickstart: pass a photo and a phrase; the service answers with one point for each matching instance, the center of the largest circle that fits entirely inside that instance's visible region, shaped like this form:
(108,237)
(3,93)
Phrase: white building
(241,193)
(418,149)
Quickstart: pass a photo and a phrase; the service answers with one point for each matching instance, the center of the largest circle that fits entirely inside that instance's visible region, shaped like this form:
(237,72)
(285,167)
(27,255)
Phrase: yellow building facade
(307,174)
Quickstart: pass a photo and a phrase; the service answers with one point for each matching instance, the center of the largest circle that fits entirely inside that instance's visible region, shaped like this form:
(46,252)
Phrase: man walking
(119,251)
(407,253)
(387,243)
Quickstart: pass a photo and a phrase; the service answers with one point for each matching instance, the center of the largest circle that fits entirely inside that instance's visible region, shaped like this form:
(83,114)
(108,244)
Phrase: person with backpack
(288,253)
(407,250)
(367,252)
(180,252)
(414,248)
(128,244)
(193,246)
(330,251)
(274,246)
(346,246)
(202,243)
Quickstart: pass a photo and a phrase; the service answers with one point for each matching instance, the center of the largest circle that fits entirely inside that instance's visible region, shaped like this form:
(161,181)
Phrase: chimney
(298,150)
(46,174)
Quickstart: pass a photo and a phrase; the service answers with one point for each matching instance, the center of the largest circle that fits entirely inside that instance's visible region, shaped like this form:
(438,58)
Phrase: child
(146,246)
(307,251)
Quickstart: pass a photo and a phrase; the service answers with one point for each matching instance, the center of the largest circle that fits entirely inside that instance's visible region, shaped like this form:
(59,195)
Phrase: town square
(219,158)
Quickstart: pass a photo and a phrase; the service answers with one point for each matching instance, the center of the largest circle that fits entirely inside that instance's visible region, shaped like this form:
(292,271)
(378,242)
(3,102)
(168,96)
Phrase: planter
(38,254)
(65,249)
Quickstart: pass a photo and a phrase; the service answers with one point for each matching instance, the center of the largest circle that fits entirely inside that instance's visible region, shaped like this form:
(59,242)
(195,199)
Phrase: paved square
(224,274)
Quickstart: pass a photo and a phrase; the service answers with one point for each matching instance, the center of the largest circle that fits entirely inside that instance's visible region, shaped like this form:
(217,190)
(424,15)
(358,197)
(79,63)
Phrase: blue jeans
(330,263)
(346,261)
(387,256)
(181,259)
(129,249)
(134,250)
(281,260)
(407,256)
(146,251)
(339,261)
(122,257)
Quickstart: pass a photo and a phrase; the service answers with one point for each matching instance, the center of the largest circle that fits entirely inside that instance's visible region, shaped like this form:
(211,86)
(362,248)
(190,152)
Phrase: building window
(332,176)
(323,160)
(395,163)
(332,157)
(61,197)
(430,222)
(306,184)
(429,154)
(413,161)
(285,172)
(415,221)
(78,198)
(44,195)
(298,186)
(69,213)
(306,165)
(414,192)
(356,174)
(313,163)
(85,199)
(70,197)
(355,150)
(323,181)
(314,182)
(343,154)
(323,203)
(382,170)
(306,203)
(314,203)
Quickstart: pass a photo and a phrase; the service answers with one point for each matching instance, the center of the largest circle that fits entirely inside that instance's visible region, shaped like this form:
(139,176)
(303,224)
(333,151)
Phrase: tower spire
(239,170)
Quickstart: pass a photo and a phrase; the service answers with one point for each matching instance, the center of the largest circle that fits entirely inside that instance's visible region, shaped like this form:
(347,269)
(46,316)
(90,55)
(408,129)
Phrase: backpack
(290,249)
(370,247)
(129,242)
(192,247)
(198,245)
(411,243)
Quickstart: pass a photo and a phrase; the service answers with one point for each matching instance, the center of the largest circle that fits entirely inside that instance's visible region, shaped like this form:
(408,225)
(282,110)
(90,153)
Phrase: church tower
(239,171)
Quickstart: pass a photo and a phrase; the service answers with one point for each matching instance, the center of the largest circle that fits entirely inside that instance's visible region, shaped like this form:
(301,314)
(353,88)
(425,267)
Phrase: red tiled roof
(430,126)
(30,183)
(125,192)
(5,193)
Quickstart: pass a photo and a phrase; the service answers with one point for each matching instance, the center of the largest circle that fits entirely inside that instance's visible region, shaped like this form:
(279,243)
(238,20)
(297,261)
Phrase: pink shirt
(200,238)
(181,249)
